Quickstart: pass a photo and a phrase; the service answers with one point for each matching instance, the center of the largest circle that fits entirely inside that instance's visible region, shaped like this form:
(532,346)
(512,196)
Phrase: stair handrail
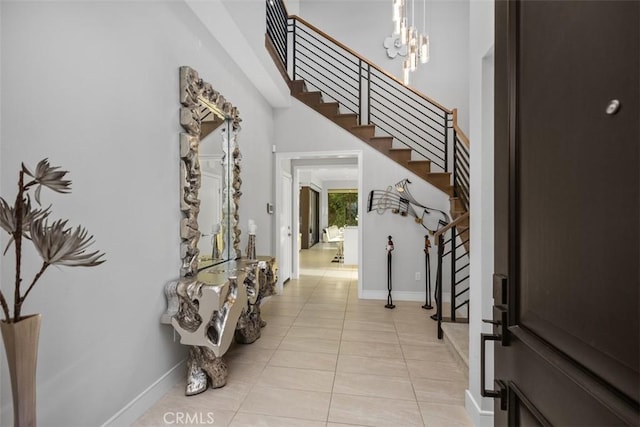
(368,62)
(460,132)
(449,226)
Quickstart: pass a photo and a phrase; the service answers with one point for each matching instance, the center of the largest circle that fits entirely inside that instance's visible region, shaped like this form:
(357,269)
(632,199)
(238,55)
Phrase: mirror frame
(200,101)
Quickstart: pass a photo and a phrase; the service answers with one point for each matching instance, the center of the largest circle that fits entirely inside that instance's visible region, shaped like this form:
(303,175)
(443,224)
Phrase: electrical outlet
(417,275)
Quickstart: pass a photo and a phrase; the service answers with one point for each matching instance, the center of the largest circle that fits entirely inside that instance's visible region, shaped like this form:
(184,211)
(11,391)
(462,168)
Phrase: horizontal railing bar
(462,292)
(462,156)
(464,178)
(280,49)
(462,163)
(462,244)
(329,88)
(414,143)
(356,63)
(272,17)
(382,119)
(441,114)
(411,127)
(462,256)
(465,191)
(277,37)
(375,106)
(336,83)
(277,14)
(462,268)
(301,52)
(374,66)
(461,147)
(462,304)
(302,59)
(462,280)
(408,112)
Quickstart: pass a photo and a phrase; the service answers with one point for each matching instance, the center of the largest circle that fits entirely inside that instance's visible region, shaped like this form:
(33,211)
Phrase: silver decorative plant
(56,243)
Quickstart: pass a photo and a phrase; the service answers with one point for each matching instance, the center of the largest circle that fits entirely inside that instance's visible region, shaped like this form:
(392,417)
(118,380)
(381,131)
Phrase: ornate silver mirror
(210,175)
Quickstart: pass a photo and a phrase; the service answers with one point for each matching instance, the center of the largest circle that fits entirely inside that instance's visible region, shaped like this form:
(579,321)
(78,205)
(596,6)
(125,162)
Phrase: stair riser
(420,169)
(329,110)
(401,156)
(381,145)
(310,98)
(346,121)
(364,132)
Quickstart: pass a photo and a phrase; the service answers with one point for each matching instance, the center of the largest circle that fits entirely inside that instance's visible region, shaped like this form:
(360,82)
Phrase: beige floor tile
(304,360)
(440,391)
(266,341)
(449,371)
(374,386)
(279,320)
(372,366)
(320,314)
(298,379)
(344,425)
(374,411)
(310,345)
(274,331)
(429,352)
(370,349)
(370,336)
(315,322)
(257,420)
(326,306)
(245,354)
(420,326)
(417,338)
(244,372)
(369,325)
(309,332)
(439,415)
(308,405)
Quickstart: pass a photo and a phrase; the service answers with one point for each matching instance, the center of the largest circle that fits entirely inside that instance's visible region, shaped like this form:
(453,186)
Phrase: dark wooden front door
(567,179)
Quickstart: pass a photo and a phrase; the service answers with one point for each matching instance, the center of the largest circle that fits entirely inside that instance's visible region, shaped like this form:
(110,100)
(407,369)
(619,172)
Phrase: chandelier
(416,44)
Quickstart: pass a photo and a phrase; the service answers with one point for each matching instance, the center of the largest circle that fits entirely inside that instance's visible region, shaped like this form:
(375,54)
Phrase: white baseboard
(479,417)
(142,402)
(399,295)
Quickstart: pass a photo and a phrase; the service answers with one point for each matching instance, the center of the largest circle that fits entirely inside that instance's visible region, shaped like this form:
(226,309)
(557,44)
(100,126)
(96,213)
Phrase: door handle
(501,392)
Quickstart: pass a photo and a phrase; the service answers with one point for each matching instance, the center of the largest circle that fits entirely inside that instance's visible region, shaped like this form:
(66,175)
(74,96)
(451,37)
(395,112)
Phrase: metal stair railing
(451,242)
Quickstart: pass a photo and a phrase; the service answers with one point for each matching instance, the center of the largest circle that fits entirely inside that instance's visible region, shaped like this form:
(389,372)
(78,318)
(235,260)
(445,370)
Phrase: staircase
(408,127)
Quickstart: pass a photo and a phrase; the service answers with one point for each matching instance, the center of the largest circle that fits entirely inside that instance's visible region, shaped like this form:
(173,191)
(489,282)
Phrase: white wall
(363,25)
(94,87)
(301,129)
(481,135)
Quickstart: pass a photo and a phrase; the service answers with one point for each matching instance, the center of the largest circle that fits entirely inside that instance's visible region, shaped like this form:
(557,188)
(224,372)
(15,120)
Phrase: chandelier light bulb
(404,31)
(424,49)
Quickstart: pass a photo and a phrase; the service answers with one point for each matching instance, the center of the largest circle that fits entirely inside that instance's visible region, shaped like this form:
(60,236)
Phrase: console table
(220,304)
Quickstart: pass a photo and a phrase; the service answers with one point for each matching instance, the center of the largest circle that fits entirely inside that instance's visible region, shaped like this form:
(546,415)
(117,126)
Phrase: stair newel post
(453,274)
(446,142)
(455,164)
(439,286)
(368,94)
(389,250)
(427,247)
(360,92)
(295,48)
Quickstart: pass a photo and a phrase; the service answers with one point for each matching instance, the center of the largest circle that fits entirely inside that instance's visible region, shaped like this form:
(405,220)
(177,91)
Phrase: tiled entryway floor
(326,358)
